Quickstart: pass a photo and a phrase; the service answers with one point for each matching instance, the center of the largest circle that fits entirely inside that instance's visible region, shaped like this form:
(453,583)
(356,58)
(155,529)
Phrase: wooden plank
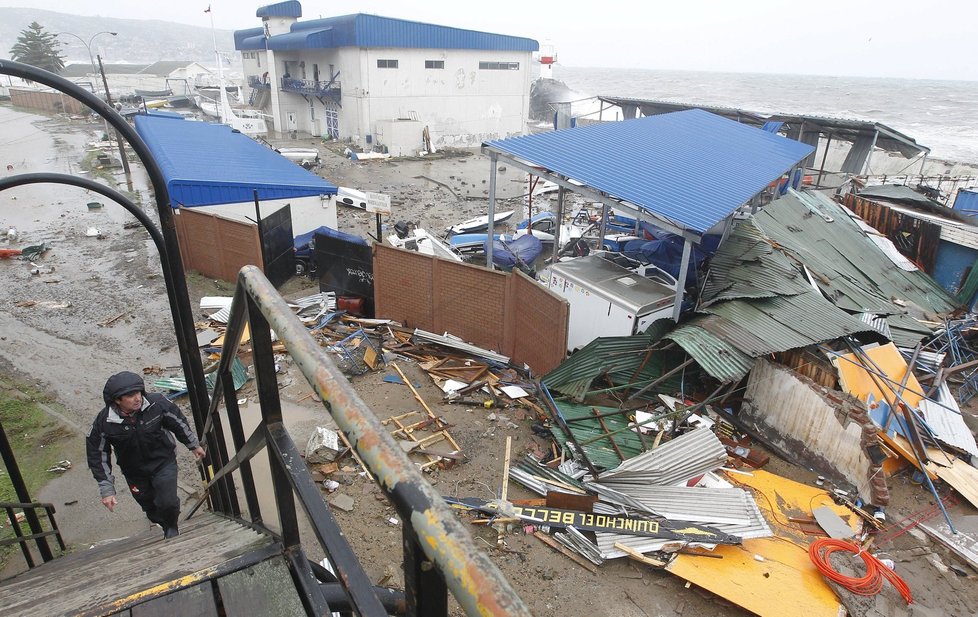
(196,601)
(263,590)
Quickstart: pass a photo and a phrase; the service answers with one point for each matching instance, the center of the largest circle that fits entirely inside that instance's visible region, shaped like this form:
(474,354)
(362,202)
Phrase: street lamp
(95,73)
(88,46)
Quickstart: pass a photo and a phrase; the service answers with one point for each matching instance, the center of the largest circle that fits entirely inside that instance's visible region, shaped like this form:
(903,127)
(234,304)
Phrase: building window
(434,64)
(499,66)
(387,64)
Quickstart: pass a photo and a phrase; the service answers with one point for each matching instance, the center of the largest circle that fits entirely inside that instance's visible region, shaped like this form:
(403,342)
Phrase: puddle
(34,143)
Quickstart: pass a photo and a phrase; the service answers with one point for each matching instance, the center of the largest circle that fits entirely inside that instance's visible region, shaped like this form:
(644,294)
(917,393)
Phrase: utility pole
(118,137)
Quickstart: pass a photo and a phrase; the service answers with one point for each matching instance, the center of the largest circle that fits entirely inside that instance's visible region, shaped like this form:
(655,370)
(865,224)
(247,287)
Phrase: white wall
(461,104)
(308,213)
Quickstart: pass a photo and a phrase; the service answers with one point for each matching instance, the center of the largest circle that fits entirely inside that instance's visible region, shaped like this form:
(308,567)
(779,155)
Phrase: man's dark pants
(157,494)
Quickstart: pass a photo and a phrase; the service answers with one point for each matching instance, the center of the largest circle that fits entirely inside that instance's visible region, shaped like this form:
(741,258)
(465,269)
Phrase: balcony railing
(255,81)
(311,87)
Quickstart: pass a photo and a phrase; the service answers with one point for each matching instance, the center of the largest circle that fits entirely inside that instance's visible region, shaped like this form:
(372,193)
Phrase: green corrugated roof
(765,325)
(905,331)
(851,271)
(747,266)
(715,355)
(621,358)
(600,451)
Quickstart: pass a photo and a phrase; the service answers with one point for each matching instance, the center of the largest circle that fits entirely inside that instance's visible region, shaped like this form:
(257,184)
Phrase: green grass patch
(35,438)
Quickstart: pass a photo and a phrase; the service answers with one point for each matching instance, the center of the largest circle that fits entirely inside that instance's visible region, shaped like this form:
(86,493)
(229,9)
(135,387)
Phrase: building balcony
(309,87)
(255,81)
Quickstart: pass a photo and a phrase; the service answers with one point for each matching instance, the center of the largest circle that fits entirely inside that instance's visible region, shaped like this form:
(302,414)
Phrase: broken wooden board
(960,475)
(762,572)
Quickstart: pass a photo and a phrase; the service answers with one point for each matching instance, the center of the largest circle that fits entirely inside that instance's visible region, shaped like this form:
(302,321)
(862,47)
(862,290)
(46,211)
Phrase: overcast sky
(875,38)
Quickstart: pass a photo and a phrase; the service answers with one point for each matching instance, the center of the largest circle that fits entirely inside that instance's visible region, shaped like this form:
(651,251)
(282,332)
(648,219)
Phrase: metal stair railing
(439,554)
(37,535)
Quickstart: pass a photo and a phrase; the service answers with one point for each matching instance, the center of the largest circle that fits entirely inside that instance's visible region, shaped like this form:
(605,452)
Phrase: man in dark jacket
(140,427)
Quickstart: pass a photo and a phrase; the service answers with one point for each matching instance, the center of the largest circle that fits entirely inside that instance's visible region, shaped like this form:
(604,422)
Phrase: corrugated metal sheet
(691,167)
(617,356)
(362,30)
(767,325)
(747,266)
(206,164)
(905,331)
(756,528)
(675,461)
(696,504)
(716,356)
(852,271)
(876,322)
(586,428)
(290,8)
(945,420)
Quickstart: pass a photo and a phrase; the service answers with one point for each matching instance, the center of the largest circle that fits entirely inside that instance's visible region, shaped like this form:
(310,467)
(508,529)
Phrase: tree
(38,48)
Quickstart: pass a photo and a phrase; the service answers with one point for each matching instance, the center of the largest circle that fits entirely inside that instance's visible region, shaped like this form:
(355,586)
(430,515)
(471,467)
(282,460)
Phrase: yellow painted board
(245,337)
(855,380)
(771,577)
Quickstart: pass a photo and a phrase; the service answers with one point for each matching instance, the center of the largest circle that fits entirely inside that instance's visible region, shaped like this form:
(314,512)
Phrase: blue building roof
(361,30)
(206,164)
(291,8)
(690,167)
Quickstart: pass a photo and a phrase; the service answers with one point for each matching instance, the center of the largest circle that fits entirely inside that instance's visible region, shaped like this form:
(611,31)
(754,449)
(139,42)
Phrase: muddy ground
(97,306)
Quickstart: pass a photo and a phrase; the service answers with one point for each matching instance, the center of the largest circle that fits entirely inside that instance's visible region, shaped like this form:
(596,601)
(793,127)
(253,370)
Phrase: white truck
(606,299)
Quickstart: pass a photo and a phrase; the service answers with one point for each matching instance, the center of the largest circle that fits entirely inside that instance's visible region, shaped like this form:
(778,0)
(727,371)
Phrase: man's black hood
(122,383)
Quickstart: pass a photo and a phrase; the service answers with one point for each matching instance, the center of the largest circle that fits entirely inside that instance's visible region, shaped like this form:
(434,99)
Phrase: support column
(681,281)
(561,191)
(492,208)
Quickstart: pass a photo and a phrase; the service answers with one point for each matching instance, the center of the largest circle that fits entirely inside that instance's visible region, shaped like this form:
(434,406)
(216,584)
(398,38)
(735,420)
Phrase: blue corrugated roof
(206,164)
(362,30)
(291,8)
(249,39)
(691,167)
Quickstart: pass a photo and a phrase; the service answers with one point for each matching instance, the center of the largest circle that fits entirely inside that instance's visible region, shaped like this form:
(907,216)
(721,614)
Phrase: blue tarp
(522,251)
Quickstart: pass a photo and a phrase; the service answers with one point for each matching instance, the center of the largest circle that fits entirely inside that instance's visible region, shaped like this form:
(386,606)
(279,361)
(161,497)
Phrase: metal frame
(439,554)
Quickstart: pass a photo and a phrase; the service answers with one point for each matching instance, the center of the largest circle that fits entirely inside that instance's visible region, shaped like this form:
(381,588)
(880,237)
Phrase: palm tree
(38,48)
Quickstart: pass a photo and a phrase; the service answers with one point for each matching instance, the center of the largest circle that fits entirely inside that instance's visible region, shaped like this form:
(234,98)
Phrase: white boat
(351,197)
(307,157)
(248,121)
(479,223)
(419,240)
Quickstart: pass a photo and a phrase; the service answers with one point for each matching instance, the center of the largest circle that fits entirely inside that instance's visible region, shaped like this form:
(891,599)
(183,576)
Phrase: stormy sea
(938,114)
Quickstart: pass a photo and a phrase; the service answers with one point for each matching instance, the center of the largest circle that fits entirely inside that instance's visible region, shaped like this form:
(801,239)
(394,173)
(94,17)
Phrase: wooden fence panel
(215,246)
(507,313)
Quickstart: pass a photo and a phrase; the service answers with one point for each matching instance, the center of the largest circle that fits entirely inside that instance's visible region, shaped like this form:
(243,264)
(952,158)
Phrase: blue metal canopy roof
(206,164)
(362,30)
(692,168)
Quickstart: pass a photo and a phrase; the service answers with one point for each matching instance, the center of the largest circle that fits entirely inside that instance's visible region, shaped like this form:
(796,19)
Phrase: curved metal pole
(177,289)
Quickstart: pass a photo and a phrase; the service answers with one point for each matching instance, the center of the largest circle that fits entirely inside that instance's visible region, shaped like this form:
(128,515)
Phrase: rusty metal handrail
(436,543)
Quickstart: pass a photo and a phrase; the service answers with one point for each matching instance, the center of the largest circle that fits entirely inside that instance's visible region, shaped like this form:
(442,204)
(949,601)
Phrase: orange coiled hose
(868,585)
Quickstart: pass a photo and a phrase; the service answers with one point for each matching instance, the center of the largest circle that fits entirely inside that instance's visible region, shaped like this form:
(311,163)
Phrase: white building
(379,81)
